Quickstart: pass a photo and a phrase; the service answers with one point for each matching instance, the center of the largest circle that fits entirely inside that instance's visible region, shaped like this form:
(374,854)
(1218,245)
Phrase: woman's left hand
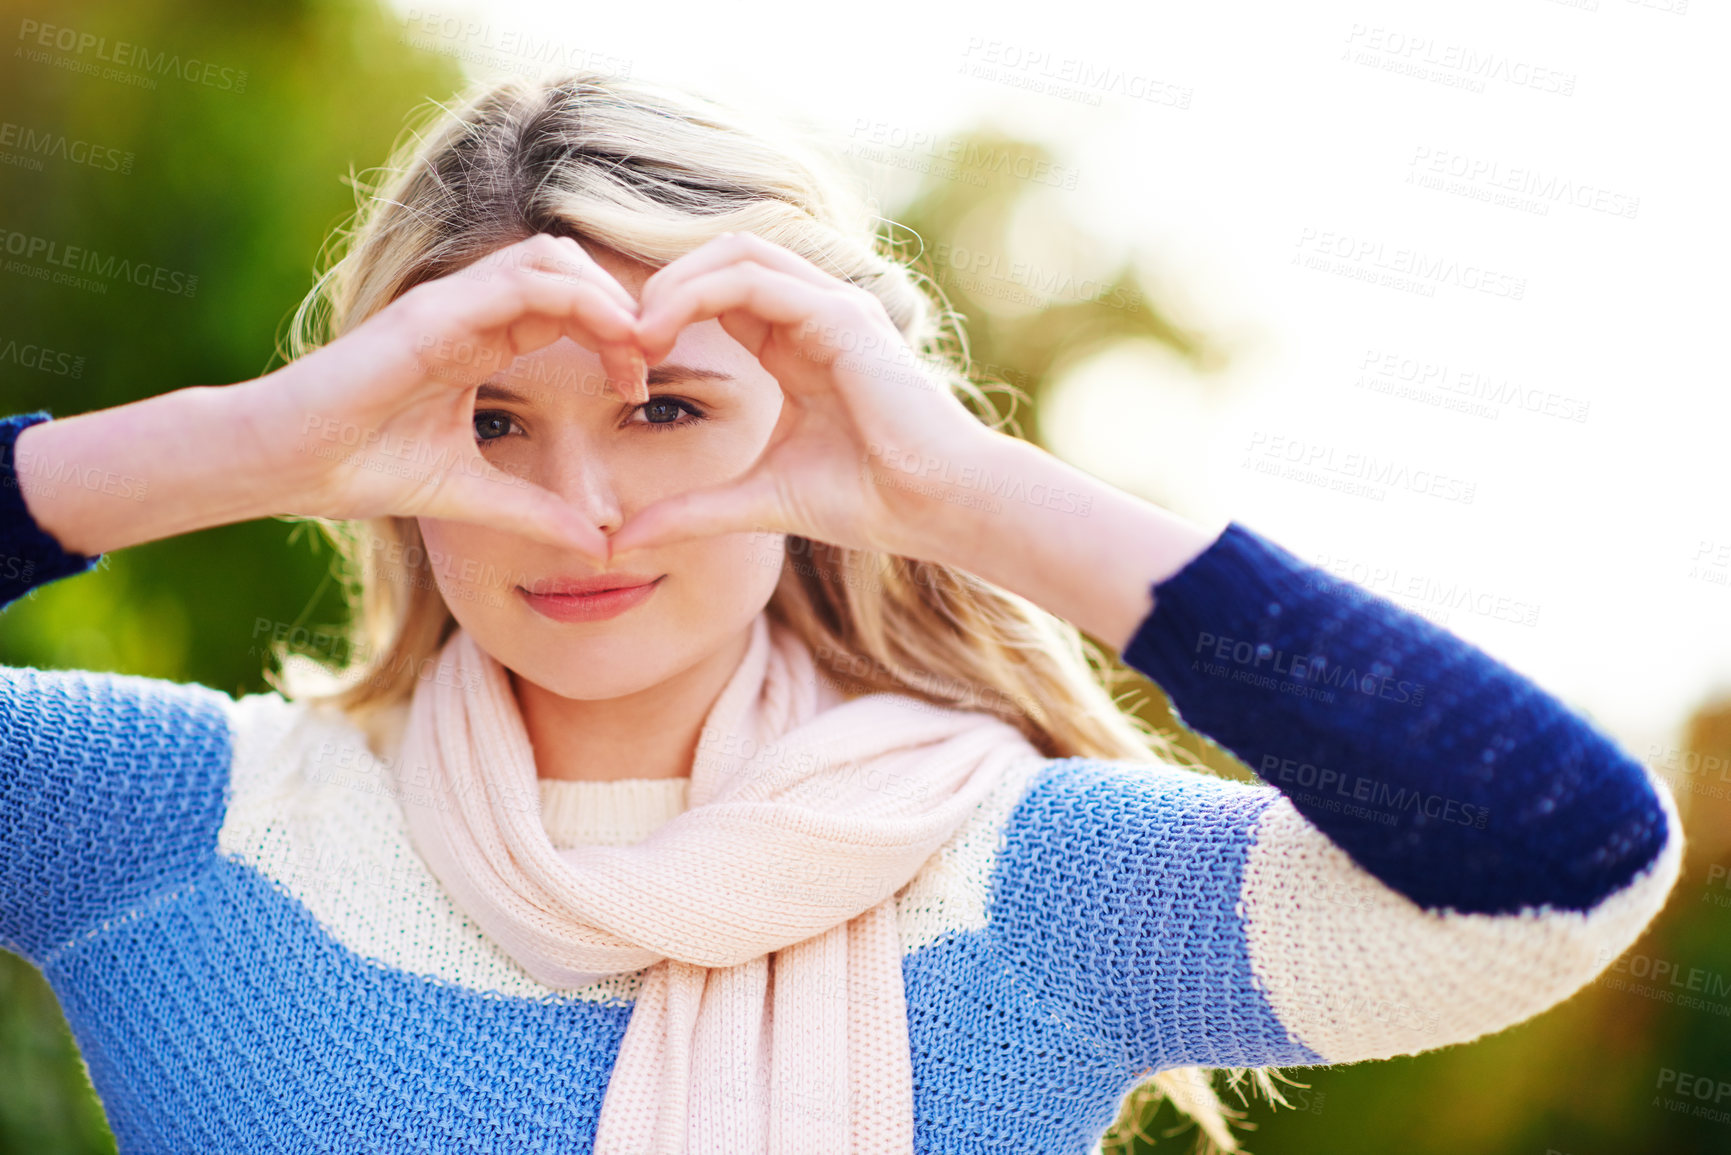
(859,409)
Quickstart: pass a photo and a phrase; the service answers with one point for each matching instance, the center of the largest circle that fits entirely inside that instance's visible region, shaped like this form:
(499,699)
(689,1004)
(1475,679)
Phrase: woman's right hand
(379,422)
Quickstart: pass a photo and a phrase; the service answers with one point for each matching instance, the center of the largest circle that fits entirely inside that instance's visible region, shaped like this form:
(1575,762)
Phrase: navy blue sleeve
(29,557)
(1441,771)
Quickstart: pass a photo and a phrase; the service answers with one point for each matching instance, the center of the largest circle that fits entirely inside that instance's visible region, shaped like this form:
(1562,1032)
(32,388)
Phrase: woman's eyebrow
(663,374)
(669,371)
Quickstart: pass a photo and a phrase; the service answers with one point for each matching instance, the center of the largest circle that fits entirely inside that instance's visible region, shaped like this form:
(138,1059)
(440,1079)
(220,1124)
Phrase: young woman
(718,765)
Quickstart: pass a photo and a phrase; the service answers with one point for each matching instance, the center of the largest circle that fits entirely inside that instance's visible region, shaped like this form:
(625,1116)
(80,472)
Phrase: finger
(472,330)
(623,362)
(494,303)
(501,500)
(768,295)
(751,503)
(595,271)
(562,259)
(565,256)
(727,249)
(627,372)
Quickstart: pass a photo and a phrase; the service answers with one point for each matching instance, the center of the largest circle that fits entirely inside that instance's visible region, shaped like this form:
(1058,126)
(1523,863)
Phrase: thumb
(750,503)
(501,500)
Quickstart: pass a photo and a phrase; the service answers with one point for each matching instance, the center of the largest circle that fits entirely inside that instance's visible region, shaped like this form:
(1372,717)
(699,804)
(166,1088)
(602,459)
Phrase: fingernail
(640,370)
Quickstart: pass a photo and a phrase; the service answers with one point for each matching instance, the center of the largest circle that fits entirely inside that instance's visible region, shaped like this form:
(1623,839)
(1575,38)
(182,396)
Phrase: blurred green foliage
(242,188)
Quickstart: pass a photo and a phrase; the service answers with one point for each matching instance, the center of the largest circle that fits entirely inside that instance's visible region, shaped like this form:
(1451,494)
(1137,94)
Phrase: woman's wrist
(1076,546)
(150,469)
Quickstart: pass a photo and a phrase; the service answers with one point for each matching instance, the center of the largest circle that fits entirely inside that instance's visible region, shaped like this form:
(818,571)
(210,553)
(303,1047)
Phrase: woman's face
(712,408)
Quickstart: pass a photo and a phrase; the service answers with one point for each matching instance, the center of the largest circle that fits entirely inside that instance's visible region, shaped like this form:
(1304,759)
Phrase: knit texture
(772,1014)
(620,813)
(1439,769)
(252,958)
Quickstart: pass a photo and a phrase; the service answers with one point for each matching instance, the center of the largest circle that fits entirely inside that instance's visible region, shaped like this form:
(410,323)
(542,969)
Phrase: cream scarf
(771,1014)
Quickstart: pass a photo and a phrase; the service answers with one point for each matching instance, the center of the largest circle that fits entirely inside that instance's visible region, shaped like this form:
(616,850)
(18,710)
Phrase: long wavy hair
(652,172)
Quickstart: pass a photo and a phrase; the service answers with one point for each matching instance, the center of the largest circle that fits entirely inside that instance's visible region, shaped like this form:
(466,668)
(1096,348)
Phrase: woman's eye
(663,413)
(492,425)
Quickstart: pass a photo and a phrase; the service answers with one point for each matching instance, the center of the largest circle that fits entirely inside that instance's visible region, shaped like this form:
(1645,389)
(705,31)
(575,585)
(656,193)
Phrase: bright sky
(1539,182)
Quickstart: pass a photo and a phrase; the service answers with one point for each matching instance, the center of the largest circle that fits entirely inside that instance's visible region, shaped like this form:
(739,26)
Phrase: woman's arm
(1437,816)
(1451,850)
(112,786)
(1500,796)
(362,427)
(1338,697)
(151,469)
(1038,526)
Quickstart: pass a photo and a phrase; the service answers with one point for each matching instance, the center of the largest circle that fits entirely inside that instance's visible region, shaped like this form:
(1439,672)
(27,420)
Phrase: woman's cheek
(744,569)
(472,566)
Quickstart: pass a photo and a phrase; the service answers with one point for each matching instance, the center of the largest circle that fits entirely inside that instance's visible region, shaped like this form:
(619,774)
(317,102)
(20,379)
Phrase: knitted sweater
(252,958)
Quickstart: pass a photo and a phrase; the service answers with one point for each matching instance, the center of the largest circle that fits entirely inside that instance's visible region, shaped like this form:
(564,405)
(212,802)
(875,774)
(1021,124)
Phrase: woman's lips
(590,607)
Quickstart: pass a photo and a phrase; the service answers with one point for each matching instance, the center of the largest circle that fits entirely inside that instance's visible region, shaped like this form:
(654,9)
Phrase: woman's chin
(592,673)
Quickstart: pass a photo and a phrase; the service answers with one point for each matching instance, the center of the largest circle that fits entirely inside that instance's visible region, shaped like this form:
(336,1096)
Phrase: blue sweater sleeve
(1438,849)
(29,557)
(112,787)
(1357,709)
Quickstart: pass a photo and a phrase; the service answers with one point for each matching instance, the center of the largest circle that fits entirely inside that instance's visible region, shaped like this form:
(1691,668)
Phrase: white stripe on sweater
(309,809)
(1356,970)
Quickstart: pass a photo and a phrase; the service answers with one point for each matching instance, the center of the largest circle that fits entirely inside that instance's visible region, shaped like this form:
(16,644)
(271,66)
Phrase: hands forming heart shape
(382,417)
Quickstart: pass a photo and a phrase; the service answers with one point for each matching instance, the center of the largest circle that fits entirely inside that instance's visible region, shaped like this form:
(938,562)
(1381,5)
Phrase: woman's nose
(582,477)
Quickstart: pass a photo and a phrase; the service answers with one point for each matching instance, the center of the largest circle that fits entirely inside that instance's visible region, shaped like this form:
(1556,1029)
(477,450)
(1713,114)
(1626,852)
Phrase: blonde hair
(650,173)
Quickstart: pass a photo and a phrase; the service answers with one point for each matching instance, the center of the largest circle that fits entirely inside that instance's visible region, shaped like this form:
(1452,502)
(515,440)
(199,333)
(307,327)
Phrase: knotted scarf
(771,1014)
